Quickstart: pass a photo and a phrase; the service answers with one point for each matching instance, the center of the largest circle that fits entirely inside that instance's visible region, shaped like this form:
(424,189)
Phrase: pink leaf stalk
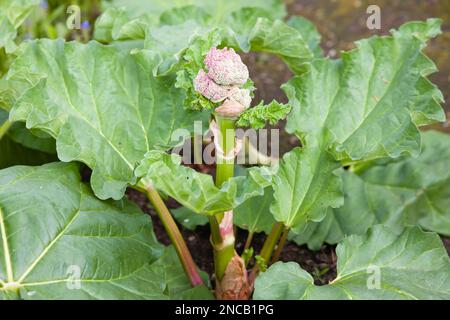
(226,226)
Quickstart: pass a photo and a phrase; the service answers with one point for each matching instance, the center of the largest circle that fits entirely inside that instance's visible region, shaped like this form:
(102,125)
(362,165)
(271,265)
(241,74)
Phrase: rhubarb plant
(364,176)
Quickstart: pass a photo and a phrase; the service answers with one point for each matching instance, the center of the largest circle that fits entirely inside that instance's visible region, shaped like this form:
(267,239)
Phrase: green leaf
(249,29)
(258,116)
(19,147)
(178,286)
(412,265)
(12,14)
(54,230)
(278,38)
(100,105)
(219,9)
(115,24)
(410,191)
(20,134)
(361,106)
(188,218)
(191,220)
(13,153)
(197,191)
(309,33)
(305,186)
(254,214)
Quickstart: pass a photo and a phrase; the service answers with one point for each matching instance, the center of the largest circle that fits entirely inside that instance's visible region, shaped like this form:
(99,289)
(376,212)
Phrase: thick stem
(222,233)
(280,245)
(4,128)
(226,143)
(175,236)
(268,247)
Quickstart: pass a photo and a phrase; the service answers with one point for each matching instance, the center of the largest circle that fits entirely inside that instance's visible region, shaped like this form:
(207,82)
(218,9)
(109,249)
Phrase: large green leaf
(124,22)
(53,227)
(219,9)
(197,191)
(245,32)
(12,14)
(412,265)
(305,185)
(247,27)
(411,191)
(102,107)
(367,104)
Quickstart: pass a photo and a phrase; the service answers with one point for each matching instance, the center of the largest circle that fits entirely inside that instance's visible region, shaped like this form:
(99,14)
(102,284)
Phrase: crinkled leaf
(305,186)
(362,106)
(56,231)
(219,9)
(102,107)
(12,14)
(412,265)
(411,191)
(249,29)
(278,38)
(115,24)
(197,191)
(309,33)
(258,116)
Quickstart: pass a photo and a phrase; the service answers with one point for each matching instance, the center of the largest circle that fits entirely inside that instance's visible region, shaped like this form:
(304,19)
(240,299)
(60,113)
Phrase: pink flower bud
(225,67)
(209,89)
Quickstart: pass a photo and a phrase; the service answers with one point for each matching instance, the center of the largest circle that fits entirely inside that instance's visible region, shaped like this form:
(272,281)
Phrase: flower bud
(209,89)
(225,67)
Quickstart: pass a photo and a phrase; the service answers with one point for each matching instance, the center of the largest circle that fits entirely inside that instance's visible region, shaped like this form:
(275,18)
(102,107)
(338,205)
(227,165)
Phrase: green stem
(249,240)
(222,238)
(271,242)
(268,247)
(174,233)
(280,245)
(226,141)
(4,128)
